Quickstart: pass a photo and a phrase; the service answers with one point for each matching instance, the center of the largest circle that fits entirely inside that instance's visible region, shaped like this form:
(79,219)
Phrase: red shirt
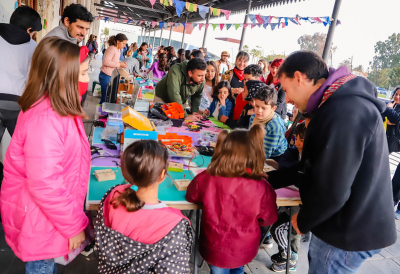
(239,106)
(233,211)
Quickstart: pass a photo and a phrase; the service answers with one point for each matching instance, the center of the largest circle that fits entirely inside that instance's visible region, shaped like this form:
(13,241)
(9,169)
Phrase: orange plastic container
(173,110)
(170,138)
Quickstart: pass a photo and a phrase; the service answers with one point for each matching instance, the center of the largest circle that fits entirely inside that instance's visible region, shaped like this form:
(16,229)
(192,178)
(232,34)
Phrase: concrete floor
(388,261)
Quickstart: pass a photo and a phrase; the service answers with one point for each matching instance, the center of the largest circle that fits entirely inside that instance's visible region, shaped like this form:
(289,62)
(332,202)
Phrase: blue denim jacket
(224,110)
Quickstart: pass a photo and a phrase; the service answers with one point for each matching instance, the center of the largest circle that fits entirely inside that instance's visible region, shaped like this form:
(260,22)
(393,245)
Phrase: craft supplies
(175,167)
(104,175)
(182,184)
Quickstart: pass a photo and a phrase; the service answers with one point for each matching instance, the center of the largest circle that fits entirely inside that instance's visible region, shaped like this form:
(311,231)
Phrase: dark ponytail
(142,164)
(112,41)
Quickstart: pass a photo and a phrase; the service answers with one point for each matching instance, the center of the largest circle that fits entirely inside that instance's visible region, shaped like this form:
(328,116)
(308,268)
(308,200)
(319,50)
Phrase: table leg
(196,240)
(289,248)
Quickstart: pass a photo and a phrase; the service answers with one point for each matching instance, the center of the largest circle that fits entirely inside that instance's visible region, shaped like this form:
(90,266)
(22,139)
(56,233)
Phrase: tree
(106,31)
(382,77)
(315,43)
(269,58)
(394,76)
(359,68)
(246,49)
(345,62)
(387,53)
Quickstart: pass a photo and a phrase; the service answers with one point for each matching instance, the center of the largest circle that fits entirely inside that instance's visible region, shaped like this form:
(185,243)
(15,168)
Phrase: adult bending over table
(111,61)
(184,80)
(343,175)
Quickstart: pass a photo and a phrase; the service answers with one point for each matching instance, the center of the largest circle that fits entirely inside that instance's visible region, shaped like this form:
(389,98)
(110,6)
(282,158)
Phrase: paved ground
(388,261)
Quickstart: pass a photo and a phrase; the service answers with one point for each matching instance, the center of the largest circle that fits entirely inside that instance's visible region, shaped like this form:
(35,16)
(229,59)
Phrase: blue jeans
(326,259)
(41,267)
(104,79)
(218,270)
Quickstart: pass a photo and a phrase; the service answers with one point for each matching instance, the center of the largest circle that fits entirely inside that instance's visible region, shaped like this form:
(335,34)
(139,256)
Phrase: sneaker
(282,267)
(280,258)
(268,241)
(397,214)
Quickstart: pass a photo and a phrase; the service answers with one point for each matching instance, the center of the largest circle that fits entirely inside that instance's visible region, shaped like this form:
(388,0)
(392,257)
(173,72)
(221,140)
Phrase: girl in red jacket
(236,201)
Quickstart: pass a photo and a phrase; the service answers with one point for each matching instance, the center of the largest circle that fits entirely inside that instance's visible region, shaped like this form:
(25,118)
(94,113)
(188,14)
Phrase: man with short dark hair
(196,54)
(184,80)
(75,24)
(17,49)
(343,175)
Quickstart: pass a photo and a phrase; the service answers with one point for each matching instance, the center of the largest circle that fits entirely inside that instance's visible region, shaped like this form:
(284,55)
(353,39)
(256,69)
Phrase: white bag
(97,91)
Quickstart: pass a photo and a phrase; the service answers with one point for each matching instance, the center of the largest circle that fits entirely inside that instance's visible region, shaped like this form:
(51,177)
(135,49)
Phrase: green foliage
(315,43)
(382,77)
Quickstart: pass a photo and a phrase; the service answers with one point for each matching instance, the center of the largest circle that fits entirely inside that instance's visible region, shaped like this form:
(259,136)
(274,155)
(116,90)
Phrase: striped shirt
(275,143)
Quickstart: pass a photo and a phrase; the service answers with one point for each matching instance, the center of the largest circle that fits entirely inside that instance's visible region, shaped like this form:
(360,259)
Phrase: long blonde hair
(54,73)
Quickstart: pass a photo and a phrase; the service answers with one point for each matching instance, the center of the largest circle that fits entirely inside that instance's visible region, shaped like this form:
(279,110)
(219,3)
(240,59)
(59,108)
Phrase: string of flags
(192,7)
(256,21)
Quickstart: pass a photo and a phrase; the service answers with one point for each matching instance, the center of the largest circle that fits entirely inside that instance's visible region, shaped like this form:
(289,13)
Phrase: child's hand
(76,241)
(237,90)
(250,112)
(206,112)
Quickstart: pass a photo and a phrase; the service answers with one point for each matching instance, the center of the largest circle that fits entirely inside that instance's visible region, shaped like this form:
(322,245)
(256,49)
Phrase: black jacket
(344,175)
(393,131)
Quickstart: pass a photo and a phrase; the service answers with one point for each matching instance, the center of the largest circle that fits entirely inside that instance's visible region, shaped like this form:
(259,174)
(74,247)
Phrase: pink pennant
(221,26)
(152,2)
(297,20)
(283,25)
(317,19)
(141,22)
(227,13)
(245,25)
(153,24)
(270,19)
(200,26)
(125,20)
(188,25)
(252,26)
(259,19)
(98,18)
(115,20)
(207,26)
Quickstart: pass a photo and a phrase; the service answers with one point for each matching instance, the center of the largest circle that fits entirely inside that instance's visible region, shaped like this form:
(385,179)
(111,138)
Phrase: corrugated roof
(142,9)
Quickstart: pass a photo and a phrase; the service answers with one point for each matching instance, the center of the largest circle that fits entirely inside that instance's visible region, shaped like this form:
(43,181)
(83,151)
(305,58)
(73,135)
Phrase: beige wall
(49,10)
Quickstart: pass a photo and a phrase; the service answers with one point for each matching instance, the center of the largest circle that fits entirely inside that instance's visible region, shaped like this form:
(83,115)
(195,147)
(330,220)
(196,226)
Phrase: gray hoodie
(62,32)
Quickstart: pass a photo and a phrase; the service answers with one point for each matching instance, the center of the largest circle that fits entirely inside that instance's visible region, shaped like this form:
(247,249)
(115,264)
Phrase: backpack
(90,46)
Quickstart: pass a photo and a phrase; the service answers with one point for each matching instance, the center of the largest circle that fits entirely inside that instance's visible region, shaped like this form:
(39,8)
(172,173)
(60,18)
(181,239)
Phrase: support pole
(161,37)
(331,31)
(184,32)
(205,31)
(141,37)
(148,40)
(170,34)
(246,19)
(154,39)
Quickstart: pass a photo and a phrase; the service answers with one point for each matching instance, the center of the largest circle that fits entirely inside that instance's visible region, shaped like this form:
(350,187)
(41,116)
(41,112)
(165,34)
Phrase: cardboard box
(104,175)
(175,167)
(182,184)
(133,135)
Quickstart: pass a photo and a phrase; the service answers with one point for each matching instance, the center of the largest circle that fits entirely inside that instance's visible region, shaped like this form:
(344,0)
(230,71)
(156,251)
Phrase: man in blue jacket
(343,175)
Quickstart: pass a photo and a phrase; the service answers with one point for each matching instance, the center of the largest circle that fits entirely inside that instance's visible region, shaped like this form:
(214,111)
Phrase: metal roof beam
(133,13)
(104,13)
(136,6)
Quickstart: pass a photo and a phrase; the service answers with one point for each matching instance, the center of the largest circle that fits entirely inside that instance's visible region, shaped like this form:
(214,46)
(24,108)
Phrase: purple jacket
(156,72)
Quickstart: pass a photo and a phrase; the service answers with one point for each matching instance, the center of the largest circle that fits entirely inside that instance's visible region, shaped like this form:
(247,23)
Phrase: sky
(364,22)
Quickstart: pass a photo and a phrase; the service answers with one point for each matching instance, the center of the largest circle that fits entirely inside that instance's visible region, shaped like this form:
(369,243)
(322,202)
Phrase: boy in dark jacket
(343,175)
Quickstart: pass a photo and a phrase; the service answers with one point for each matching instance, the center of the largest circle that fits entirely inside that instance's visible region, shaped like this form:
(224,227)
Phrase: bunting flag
(105,19)
(188,25)
(179,6)
(170,24)
(130,20)
(259,19)
(228,26)
(253,25)
(279,21)
(207,25)
(293,20)
(201,25)
(161,24)
(273,25)
(237,26)
(245,25)
(115,20)
(252,18)
(141,22)
(227,13)
(286,21)
(216,12)
(265,25)
(191,7)
(338,22)
(152,2)
(203,10)
(195,25)
(214,26)
(125,20)
(184,24)
(221,26)
(98,18)
(317,19)
(137,22)
(283,25)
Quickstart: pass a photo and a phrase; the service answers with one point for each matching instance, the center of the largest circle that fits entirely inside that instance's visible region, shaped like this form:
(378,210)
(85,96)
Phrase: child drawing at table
(223,102)
(134,229)
(231,186)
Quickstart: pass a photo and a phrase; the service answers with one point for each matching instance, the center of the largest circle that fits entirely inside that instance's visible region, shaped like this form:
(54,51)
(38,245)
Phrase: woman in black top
(236,76)
(392,113)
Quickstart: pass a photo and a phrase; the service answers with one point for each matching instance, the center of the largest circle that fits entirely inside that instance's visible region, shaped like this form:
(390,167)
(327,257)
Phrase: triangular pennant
(105,19)
(216,12)
(115,20)
(253,25)
(286,21)
(184,24)
(189,6)
(245,25)
(228,26)
(297,19)
(293,20)
(130,20)
(259,25)
(317,19)
(200,26)
(252,18)
(153,24)
(273,25)
(161,25)
(338,22)
(221,26)
(237,26)
(211,10)
(166,3)
(152,3)
(179,6)
(170,24)
(125,20)
(141,22)
(265,25)
(207,25)
(188,25)
(194,7)
(203,10)
(214,26)
(259,19)
(195,25)
(227,13)
(279,21)
(98,18)
(265,19)
(283,25)
(136,22)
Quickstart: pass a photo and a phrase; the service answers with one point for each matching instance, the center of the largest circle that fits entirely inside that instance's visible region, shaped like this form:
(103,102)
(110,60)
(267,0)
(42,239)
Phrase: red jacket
(233,211)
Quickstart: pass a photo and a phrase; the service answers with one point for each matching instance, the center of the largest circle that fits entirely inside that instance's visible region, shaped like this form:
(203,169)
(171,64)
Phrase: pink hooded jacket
(46,174)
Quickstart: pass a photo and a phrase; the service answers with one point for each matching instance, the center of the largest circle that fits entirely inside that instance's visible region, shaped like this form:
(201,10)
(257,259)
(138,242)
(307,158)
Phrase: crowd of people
(337,156)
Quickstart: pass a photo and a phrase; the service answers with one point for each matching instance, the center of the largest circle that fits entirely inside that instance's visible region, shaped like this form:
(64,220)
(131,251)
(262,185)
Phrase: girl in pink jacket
(46,168)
